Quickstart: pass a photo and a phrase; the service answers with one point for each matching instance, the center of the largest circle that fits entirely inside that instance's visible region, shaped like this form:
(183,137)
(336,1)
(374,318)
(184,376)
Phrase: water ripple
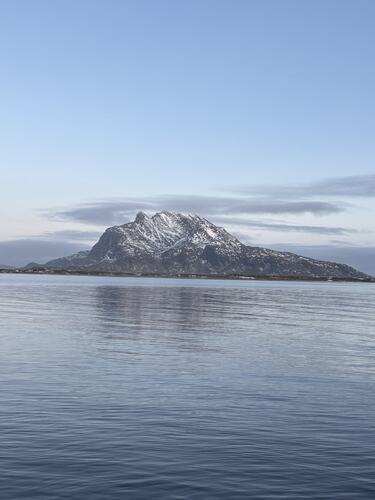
(145,388)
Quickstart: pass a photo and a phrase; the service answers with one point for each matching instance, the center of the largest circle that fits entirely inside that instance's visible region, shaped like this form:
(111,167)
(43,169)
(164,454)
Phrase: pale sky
(258,115)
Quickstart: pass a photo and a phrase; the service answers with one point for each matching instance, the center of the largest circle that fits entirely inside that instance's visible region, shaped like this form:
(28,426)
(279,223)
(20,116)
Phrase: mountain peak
(140,217)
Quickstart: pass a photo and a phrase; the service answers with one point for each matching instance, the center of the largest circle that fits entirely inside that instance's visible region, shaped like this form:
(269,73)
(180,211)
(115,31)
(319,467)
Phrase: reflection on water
(117,388)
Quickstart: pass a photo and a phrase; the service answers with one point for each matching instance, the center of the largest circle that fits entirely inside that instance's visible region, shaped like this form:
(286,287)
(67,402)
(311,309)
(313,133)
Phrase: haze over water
(159,388)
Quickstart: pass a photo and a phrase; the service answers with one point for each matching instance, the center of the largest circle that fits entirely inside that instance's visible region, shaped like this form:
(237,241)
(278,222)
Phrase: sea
(148,388)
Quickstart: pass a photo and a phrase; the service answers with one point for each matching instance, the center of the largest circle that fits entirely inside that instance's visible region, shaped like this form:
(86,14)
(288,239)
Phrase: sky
(258,115)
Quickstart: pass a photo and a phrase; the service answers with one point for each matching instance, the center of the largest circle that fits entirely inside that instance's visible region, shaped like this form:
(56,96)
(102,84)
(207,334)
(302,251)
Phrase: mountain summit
(174,243)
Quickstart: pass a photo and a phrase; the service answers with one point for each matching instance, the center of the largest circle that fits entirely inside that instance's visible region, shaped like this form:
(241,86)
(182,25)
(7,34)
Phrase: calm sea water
(114,388)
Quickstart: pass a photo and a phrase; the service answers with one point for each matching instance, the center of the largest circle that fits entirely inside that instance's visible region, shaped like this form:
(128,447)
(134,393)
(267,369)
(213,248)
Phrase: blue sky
(108,106)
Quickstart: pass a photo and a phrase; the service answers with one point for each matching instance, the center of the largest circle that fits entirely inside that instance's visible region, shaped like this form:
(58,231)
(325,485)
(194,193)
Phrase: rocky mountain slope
(173,243)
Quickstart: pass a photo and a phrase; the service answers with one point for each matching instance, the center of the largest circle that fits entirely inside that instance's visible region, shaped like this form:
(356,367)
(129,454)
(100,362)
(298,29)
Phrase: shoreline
(233,277)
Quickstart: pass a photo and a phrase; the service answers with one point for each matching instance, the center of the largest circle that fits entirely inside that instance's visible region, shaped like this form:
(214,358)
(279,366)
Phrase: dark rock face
(170,243)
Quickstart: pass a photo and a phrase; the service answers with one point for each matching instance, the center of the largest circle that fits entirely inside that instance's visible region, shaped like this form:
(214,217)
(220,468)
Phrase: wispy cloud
(71,235)
(119,211)
(43,247)
(356,186)
(283,227)
(323,198)
(317,198)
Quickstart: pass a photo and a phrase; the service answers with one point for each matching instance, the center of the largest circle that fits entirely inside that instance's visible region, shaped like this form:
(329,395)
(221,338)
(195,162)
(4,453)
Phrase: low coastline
(75,272)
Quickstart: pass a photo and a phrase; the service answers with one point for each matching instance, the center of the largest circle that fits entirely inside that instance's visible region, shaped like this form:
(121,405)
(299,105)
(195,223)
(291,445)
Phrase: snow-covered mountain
(174,243)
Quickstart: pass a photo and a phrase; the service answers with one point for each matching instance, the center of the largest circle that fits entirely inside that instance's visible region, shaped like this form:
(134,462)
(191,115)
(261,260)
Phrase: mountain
(173,243)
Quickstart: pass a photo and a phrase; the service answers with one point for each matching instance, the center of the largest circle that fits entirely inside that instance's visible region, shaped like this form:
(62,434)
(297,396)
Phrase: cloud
(313,198)
(266,206)
(359,185)
(282,227)
(356,186)
(120,211)
(70,235)
(21,252)
(102,212)
(43,247)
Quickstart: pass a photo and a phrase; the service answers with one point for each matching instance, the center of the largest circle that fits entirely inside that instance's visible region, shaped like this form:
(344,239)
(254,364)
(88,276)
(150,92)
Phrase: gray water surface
(114,388)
